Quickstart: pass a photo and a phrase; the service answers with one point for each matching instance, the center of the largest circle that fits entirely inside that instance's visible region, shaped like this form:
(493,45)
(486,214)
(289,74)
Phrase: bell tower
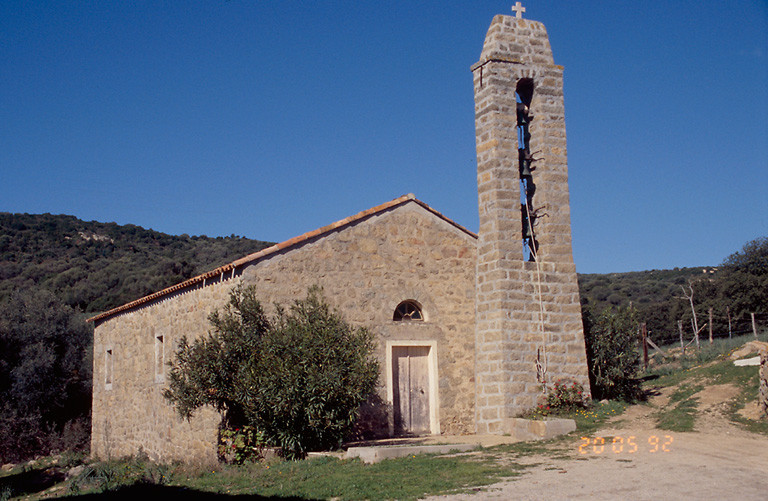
(528,331)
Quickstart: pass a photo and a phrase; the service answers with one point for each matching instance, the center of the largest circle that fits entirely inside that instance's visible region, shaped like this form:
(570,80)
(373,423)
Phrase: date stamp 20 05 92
(628,445)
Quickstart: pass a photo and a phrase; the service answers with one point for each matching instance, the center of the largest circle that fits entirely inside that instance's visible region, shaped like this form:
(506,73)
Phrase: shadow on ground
(134,492)
(36,481)
(31,481)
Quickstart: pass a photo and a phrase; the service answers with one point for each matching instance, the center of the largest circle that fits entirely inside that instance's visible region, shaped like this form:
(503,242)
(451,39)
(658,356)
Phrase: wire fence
(718,326)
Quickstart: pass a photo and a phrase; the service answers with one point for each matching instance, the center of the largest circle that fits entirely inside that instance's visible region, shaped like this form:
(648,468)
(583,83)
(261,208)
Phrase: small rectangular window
(108,369)
(159,359)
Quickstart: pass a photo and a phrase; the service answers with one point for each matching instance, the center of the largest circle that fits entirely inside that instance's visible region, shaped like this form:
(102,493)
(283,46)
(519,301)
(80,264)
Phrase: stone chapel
(469,326)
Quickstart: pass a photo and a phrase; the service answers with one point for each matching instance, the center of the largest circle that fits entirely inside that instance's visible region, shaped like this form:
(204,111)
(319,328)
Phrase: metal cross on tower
(518,9)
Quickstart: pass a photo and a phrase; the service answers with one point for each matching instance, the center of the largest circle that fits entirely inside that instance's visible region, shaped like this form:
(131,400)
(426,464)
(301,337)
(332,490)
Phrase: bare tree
(689,296)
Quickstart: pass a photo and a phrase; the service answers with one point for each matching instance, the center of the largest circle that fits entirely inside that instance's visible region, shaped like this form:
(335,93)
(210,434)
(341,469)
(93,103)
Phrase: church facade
(470,328)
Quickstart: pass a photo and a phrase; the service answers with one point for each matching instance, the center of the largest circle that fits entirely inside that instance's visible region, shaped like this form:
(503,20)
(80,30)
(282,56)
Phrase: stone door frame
(434,401)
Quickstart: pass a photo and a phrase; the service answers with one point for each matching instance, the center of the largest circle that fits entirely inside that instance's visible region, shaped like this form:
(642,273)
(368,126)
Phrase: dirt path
(718,461)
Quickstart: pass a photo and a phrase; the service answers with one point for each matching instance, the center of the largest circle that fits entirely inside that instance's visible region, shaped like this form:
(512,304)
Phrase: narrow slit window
(407,311)
(159,359)
(108,369)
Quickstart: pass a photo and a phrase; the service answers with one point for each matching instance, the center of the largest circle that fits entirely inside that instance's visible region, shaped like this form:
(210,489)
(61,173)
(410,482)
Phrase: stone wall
(131,413)
(515,297)
(365,268)
(368,269)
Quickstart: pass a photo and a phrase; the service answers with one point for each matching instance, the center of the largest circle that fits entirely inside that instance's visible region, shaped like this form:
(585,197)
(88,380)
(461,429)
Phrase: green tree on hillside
(45,376)
(739,288)
(745,278)
(96,266)
(751,260)
(653,294)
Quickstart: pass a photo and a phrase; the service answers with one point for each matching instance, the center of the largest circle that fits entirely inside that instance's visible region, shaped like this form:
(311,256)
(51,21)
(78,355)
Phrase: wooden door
(410,374)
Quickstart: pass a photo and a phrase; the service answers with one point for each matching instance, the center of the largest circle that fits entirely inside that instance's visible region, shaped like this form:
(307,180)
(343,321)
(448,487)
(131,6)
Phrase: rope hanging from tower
(523,97)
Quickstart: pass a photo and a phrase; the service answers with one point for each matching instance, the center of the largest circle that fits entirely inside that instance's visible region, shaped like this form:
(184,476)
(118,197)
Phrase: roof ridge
(410,197)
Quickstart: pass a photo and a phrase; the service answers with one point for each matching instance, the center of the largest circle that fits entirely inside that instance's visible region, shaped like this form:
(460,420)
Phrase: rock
(748,348)
(77,470)
(747,361)
(7,467)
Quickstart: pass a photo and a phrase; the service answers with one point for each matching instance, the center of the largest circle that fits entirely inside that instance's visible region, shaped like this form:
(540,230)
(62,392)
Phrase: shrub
(612,354)
(298,378)
(241,445)
(562,398)
(566,397)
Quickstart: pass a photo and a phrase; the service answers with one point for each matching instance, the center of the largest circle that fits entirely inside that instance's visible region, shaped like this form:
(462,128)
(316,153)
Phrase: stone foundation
(531,429)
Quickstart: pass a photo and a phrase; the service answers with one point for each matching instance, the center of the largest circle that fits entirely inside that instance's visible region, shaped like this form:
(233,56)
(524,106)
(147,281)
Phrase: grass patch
(412,477)
(323,478)
(752,425)
(673,368)
(590,420)
(708,366)
(685,392)
(748,382)
(530,448)
(680,413)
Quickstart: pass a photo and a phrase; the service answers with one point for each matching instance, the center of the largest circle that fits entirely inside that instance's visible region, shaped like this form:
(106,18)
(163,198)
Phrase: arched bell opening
(523,97)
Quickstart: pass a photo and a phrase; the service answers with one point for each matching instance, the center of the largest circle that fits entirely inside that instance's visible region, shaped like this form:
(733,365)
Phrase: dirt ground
(718,461)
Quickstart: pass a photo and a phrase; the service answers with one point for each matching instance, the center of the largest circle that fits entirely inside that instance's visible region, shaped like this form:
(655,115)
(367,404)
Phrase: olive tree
(298,377)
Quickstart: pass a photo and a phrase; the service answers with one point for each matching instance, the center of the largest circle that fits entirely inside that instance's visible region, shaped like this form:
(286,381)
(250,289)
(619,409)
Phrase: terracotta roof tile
(221,270)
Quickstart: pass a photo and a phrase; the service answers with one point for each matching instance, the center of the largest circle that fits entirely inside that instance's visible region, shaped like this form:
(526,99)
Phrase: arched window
(408,310)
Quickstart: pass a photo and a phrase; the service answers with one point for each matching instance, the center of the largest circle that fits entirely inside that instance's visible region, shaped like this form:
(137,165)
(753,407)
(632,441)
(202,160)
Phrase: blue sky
(268,119)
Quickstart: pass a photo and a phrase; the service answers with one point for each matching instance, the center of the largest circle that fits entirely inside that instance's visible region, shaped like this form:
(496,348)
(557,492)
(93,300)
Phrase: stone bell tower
(528,331)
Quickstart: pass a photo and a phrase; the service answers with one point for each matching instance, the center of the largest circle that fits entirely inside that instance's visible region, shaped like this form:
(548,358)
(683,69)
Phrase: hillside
(655,294)
(96,266)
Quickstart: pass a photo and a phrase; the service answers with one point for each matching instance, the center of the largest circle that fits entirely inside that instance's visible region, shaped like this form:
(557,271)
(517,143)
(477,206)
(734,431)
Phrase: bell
(527,231)
(525,168)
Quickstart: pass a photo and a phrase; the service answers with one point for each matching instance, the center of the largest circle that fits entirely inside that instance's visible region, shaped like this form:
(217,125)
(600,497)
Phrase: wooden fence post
(643,336)
(710,326)
(695,333)
(754,325)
